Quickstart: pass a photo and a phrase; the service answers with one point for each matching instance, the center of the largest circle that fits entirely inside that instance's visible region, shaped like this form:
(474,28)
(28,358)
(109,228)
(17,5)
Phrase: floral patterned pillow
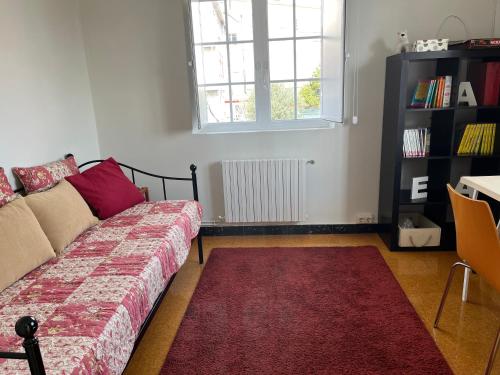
(43,177)
(6,193)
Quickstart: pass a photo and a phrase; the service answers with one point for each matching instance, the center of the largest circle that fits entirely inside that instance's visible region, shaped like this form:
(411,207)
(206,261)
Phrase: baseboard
(242,230)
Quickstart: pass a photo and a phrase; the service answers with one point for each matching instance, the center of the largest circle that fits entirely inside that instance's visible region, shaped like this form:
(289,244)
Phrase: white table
(490,186)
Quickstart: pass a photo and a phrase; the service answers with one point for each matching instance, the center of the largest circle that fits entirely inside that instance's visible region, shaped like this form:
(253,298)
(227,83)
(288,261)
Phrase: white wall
(496,26)
(45,102)
(137,64)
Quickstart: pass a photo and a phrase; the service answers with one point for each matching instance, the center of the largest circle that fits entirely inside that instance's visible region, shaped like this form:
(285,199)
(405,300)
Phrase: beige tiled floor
(466,331)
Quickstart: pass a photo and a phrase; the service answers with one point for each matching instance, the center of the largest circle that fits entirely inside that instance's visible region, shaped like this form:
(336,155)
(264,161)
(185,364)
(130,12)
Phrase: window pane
(242,65)
(239,19)
(211,64)
(282,101)
(308,17)
(280,18)
(308,58)
(214,104)
(308,99)
(243,102)
(209,21)
(281,60)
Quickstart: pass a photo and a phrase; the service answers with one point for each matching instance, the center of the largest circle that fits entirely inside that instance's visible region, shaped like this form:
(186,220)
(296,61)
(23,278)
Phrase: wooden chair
(478,246)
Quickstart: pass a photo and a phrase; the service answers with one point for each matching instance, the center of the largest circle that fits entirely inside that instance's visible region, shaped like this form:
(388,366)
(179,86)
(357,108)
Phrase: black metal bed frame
(27,326)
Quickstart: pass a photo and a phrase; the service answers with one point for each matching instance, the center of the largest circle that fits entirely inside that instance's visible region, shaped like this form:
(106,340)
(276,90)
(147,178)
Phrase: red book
(492,84)
(485,81)
(440,93)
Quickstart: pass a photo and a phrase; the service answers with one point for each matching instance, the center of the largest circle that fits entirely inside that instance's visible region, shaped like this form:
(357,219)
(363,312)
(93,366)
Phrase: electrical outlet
(365,218)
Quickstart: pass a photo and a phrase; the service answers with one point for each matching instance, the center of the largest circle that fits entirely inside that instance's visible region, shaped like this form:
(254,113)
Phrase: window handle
(265,75)
(261,68)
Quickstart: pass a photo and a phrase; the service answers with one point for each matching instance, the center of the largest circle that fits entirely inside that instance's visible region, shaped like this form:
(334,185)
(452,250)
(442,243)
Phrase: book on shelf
(485,81)
(477,139)
(476,43)
(447,91)
(432,93)
(420,96)
(416,142)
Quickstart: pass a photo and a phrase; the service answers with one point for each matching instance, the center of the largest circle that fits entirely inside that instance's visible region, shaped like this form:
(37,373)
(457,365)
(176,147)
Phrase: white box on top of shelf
(423,234)
(426,45)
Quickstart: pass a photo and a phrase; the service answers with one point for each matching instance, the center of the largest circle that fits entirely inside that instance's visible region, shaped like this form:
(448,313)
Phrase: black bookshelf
(443,165)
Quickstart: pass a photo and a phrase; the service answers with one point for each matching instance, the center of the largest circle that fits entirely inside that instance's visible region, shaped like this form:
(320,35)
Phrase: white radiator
(257,191)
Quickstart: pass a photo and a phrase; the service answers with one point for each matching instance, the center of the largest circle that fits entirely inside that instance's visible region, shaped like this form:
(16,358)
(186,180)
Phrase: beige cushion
(62,214)
(23,245)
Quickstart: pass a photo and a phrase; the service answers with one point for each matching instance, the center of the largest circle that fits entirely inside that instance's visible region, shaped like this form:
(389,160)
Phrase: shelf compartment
(441,125)
(459,133)
(441,133)
(429,69)
(438,171)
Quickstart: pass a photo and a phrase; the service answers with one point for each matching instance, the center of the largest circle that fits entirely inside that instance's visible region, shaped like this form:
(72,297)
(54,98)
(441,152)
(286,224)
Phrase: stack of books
(432,93)
(476,44)
(478,139)
(416,142)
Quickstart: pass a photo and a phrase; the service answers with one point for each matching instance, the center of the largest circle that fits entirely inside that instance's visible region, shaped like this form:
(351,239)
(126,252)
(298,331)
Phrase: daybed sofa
(92,302)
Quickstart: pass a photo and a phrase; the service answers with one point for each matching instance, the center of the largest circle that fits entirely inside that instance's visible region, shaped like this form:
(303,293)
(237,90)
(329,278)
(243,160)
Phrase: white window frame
(262,80)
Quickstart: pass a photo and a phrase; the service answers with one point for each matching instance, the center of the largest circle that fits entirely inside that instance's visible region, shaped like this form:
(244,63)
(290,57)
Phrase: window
(266,64)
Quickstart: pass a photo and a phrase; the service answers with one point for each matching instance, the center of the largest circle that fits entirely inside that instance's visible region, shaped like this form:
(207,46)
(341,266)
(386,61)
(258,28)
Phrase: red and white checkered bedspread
(90,302)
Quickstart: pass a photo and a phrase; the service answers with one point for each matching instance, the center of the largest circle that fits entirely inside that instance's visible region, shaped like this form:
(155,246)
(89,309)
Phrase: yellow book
(477,146)
(492,148)
(463,141)
(460,145)
(485,150)
(486,137)
(475,136)
(489,148)
(484,140)
(477,140)
(481,141)
(470,139)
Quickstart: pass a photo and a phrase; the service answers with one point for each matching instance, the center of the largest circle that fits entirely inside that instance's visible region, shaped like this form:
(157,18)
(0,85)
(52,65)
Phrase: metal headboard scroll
(134,170)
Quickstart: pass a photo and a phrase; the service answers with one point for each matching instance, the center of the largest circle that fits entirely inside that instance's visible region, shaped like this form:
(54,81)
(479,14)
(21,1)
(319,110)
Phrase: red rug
(301,311)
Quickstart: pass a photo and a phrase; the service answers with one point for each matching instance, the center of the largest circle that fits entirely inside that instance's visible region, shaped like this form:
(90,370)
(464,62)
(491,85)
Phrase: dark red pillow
(106,189)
